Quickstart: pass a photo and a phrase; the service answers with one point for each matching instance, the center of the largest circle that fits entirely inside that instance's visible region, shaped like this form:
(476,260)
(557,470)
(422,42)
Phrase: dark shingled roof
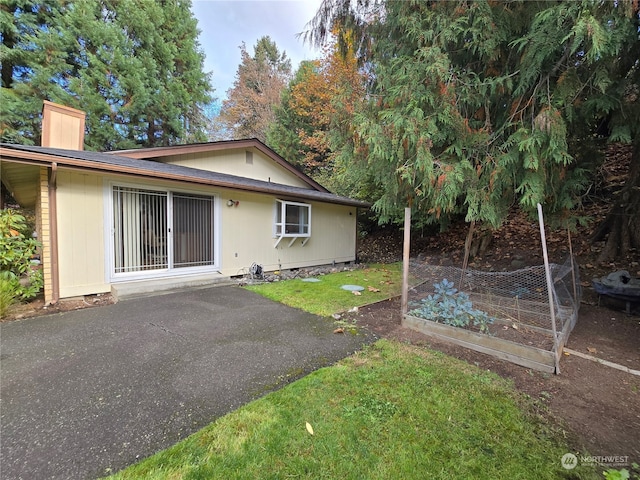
(120,164)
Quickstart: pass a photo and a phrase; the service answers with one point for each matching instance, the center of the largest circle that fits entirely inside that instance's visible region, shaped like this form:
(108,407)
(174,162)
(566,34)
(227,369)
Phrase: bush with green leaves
(451,307)
(18,273)
(623,474)
(7,296)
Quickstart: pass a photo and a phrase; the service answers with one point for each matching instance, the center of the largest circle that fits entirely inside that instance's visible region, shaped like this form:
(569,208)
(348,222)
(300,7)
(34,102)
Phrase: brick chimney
(62,127)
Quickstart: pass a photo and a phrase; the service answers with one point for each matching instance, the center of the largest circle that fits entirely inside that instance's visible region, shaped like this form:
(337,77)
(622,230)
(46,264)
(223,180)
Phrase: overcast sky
(225,24)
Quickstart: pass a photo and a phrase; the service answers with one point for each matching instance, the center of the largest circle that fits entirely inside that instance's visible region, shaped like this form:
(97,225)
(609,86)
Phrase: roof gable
(207,156)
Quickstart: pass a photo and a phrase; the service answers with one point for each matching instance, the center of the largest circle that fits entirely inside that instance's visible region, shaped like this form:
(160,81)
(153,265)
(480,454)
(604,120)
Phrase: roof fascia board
(28,158)
(32,158)
(157,152)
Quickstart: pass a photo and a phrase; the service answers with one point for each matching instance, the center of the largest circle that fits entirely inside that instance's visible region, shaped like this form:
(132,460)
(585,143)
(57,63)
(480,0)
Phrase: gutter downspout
(53,232)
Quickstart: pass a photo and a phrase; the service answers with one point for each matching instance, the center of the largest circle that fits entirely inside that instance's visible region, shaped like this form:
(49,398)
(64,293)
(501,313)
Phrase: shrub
(17,250)
(7,295)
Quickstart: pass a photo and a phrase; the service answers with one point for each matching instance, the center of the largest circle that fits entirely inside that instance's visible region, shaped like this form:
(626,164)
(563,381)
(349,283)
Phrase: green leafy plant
(451,307)
(613,474)
(17,250)
(623,474)
(7,295)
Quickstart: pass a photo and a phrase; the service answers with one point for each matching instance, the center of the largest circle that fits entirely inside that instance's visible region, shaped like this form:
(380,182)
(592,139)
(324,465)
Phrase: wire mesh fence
(517,302)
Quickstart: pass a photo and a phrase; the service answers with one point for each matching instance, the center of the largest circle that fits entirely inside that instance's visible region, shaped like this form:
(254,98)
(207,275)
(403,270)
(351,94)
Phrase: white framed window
(293,219)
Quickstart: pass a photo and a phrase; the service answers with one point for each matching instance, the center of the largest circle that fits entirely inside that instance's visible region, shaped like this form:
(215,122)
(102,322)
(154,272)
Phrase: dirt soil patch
(38,306)
(598,406)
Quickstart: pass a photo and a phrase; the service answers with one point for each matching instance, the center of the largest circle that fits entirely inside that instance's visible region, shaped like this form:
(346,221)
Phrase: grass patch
(391,411)
(327,297)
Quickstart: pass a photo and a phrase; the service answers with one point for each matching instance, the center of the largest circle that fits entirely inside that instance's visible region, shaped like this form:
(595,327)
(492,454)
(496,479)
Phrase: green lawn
(393,411)
(326,297)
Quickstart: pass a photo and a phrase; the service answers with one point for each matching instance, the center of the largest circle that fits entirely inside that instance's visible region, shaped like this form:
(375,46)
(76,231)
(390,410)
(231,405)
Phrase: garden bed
(504,314)
(526,355)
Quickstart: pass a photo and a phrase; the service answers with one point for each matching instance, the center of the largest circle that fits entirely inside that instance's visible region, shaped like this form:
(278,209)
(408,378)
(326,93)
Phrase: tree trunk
(621,227)
(481,243)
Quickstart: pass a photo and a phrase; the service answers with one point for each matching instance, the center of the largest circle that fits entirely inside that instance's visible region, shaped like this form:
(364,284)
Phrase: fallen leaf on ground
(339,330)
(592,350)
(355,292)
(373,289)
(309,428)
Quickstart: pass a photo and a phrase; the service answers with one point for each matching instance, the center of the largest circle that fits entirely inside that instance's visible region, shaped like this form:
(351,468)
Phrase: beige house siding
(62,127)
(236,162)
(44,232)
(81,236)
(248,236)
(246,232)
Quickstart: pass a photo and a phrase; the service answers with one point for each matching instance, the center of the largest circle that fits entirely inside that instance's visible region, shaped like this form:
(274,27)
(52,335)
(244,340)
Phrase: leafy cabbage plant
(451,307)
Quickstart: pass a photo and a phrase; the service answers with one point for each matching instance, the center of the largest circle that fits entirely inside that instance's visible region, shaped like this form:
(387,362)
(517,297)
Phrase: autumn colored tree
(250,105)
(313,107)
(298,132)
(476,106)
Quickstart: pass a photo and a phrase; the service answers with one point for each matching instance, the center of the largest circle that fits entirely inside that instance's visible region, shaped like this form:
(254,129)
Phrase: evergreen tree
(20,24)
(475,106)
(134,66)
(249,108)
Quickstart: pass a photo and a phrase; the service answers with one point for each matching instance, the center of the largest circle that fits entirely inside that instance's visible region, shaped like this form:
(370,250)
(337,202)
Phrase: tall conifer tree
(134,66)
(476,106)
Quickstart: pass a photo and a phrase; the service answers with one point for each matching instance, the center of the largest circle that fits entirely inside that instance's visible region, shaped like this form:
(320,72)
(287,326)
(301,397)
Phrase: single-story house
(169,216)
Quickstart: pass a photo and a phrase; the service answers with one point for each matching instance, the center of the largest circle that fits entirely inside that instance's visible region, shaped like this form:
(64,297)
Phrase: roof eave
(33,158)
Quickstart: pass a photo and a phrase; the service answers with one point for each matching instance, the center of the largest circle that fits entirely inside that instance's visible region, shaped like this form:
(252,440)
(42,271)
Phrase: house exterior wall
(81,235)
(44,232)
(62,127)
(248,236)
(235,162)
(246,231)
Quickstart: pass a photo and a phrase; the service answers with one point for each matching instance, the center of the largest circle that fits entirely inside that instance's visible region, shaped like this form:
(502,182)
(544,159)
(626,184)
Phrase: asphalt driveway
(86,393)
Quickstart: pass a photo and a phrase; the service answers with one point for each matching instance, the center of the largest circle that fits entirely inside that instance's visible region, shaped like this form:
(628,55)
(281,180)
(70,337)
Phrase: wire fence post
(405,260)
(547,270)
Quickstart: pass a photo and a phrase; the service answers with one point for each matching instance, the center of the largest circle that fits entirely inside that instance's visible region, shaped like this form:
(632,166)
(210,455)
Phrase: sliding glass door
(192,230)
(159,231)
